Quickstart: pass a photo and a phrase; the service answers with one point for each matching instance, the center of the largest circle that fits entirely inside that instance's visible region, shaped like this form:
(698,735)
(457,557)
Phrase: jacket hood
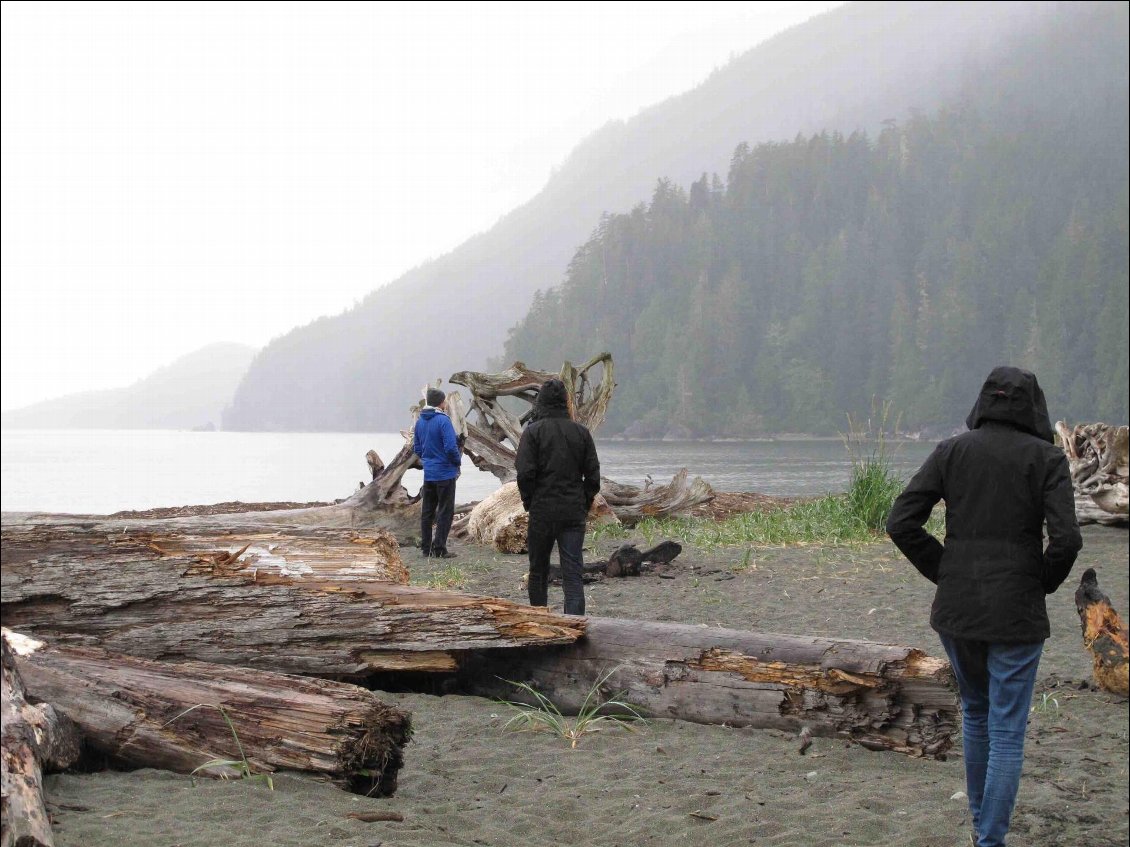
(552,400)
(1013,396)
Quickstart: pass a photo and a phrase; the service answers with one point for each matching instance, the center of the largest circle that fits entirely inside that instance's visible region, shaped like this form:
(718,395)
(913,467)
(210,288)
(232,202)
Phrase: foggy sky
(180,174)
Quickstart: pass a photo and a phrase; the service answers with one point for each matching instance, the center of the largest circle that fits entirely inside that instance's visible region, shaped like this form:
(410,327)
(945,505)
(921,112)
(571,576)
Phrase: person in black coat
(558,477)
(1001,482)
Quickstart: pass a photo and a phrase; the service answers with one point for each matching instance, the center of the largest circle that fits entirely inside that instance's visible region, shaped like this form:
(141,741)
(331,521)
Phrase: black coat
(1000,481)
(558,470)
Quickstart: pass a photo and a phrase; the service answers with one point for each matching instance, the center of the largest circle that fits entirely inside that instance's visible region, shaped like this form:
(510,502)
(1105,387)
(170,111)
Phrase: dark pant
(570,539)
(996,682)
(439,507)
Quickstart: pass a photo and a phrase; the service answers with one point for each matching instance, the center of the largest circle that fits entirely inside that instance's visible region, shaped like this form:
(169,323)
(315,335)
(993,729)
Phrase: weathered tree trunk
(141,713)
(883,697)
(34,739)
(1104,635)
(305,601)
(1098,456)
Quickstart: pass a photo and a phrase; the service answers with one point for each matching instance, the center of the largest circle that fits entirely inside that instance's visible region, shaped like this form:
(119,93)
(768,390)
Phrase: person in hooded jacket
(558,478)
(1001,482)
(435,442)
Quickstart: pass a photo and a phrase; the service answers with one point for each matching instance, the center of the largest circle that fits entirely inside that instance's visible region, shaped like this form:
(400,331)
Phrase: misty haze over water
(103,471)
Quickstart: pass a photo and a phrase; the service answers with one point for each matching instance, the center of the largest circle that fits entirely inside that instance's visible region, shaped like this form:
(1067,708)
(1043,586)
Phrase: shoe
(426,553)
(444,554)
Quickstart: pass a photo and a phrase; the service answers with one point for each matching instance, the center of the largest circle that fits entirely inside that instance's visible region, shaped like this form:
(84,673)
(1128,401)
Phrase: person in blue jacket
(435,442)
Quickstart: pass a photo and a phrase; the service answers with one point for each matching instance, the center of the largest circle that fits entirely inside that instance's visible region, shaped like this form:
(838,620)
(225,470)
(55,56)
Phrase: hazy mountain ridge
(190,392)
(849,69)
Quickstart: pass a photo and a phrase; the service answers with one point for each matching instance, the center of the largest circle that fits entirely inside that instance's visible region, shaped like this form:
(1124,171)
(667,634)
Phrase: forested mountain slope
(847,70)
(831,270)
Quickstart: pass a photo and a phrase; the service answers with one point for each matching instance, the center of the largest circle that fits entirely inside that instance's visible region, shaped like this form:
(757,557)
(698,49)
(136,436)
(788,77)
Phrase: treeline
(832,270)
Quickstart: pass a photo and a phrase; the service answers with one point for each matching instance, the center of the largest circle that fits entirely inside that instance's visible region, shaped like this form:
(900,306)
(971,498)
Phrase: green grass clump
(450,578)
(824,520)
(874,482)
(241,765)
(595,713)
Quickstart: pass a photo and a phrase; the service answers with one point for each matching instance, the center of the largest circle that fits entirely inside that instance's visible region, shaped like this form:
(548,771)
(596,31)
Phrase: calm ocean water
(102,471)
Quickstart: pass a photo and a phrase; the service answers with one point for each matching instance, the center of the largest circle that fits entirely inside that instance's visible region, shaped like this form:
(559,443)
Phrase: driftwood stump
(1097,456)
(1104,635)
(493,437)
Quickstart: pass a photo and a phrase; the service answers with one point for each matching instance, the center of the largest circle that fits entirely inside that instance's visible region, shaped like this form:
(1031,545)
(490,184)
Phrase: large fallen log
(881,696)
(35,739)
(141,713)
(305,601)
(1098,458)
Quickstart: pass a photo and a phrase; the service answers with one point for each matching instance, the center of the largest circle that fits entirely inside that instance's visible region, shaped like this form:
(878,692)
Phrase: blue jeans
(570,538)
(996,682)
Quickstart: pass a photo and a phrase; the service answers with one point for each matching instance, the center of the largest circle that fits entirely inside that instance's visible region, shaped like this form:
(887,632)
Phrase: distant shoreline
(720,439)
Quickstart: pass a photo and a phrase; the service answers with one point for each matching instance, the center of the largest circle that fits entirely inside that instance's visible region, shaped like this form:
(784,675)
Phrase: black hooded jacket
(1000,481)
(558,471)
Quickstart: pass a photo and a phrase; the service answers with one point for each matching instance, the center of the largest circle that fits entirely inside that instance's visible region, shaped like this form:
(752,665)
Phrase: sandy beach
(466,782)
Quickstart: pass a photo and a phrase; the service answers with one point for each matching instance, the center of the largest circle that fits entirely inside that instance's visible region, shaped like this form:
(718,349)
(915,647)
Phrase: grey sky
(177,174)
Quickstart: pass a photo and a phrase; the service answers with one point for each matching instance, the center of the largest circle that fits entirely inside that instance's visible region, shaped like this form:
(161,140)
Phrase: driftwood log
(631,503)
(1097,455)
(492,440)
(881,696)
(1104,635)
(296,600)
(500,520)
(626,560)
(493,436)
(142,713)
(36,739)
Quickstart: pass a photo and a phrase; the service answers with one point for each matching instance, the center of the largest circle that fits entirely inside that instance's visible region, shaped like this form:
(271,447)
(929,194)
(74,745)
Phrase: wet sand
(466,782)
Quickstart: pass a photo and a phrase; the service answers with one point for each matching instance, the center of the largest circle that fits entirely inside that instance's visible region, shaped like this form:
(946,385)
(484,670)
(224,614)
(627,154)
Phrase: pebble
(958,795)
(810,776)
